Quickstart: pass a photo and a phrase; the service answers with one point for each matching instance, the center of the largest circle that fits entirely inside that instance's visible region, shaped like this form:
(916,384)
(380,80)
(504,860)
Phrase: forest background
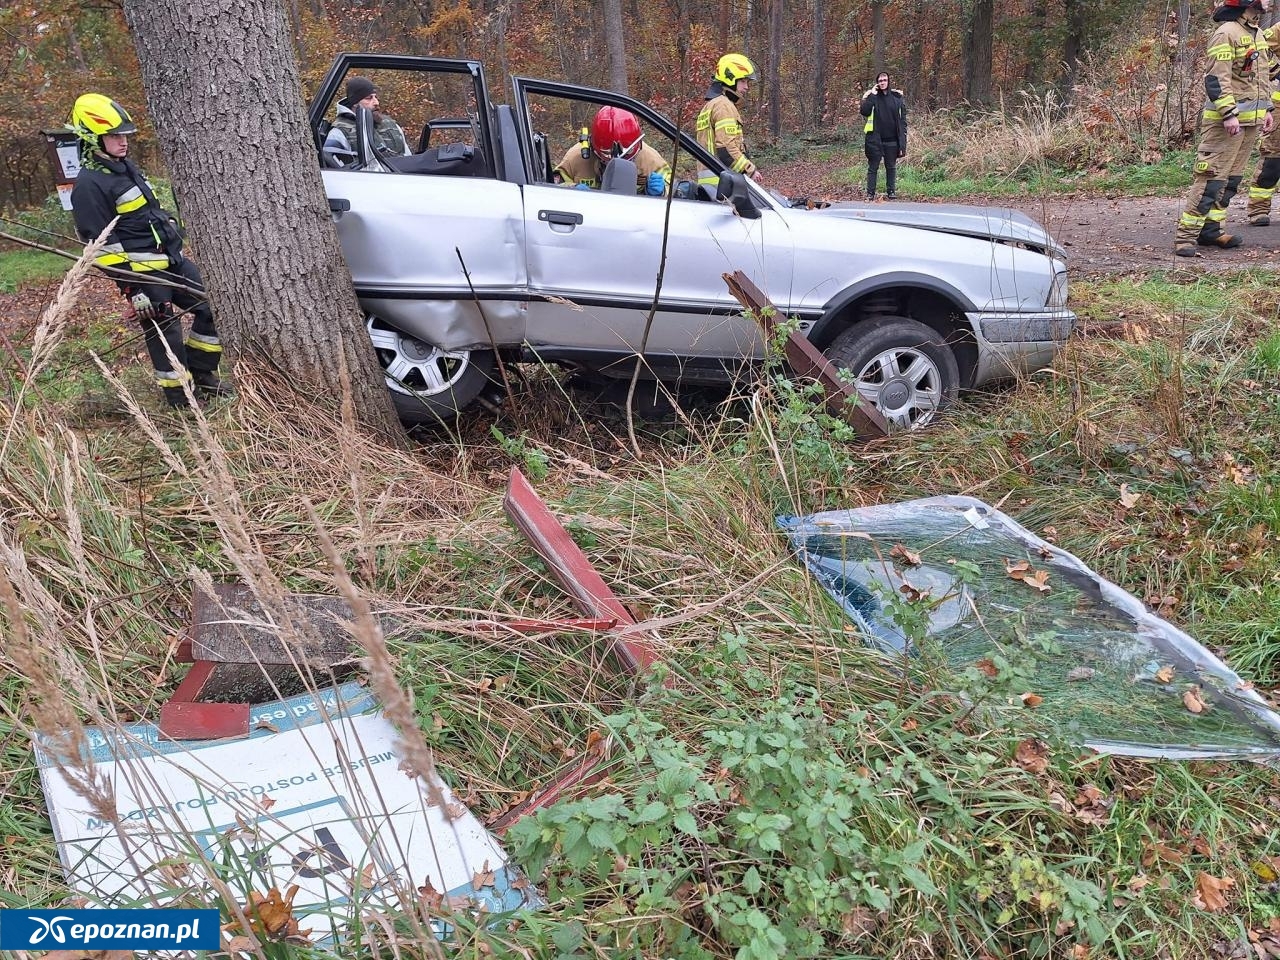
(1124,72)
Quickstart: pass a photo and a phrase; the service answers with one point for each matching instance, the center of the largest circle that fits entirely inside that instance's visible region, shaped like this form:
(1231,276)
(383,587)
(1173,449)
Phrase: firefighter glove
(143,307)
(656,185)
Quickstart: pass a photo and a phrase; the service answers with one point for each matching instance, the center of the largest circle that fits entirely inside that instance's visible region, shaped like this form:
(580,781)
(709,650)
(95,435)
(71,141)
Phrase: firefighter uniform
(1234,87)
(1267,175)
(719,129)
(576,169)
(146,242)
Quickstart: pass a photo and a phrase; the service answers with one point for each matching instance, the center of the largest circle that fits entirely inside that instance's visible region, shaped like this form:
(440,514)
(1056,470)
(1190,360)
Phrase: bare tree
(773,72)
(819,64)
(978,52)
(616,46)
(235,139)
(1072,48)
(877,37)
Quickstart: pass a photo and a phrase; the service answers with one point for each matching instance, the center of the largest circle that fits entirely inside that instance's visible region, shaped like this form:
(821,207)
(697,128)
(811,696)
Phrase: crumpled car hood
(988,223)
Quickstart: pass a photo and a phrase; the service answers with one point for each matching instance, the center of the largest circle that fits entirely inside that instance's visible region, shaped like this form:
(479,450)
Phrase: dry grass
(105,534)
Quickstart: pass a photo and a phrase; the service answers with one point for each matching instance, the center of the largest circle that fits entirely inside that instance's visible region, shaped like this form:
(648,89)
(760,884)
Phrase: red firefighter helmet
(615,133)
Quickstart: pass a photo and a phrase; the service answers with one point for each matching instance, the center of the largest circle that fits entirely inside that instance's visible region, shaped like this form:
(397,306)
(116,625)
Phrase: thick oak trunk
(222,84)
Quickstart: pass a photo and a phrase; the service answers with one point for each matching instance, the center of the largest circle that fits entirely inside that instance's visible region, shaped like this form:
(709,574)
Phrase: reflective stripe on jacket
(1233,84)
(144,238)
(719,129)
(574,168)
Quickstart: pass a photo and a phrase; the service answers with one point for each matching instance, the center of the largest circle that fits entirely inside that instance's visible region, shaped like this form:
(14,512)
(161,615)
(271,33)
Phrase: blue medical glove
(656,185)
(581,186)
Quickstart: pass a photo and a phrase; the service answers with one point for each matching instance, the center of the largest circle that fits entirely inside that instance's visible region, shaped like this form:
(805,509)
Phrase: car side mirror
(733,187)
(619,176)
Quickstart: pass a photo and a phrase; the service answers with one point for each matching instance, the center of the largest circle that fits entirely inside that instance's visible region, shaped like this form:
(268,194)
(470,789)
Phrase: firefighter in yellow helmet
(1237,106)
(145,245)
(719,125)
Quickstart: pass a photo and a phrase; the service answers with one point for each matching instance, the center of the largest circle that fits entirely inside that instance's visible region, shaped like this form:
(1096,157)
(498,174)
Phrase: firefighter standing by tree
(719,125)
(885,134)
(1238,95)
(1267,175)
(614,133)
(145,242)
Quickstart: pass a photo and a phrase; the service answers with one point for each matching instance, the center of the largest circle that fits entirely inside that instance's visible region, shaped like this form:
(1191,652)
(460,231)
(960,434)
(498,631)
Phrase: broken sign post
(807,360)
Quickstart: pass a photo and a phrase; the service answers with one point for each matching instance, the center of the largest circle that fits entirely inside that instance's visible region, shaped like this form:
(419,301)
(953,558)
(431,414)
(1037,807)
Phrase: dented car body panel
(501,259)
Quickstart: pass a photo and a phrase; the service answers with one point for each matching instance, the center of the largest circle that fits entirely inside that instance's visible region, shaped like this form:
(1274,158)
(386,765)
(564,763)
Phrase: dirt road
(1135,235)
(1102,235)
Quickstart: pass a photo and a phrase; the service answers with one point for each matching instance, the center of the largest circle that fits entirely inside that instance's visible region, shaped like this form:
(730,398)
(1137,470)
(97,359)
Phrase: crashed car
(466,255)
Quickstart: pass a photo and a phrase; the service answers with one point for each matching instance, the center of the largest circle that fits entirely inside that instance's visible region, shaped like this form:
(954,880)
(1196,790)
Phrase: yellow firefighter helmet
(733,67)
(95,115)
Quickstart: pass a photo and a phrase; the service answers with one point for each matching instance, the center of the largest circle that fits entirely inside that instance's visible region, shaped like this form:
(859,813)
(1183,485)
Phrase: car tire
(901,366)
(428,384)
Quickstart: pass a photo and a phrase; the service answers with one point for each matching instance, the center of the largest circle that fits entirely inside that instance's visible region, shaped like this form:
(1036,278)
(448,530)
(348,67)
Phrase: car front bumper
(1016,344)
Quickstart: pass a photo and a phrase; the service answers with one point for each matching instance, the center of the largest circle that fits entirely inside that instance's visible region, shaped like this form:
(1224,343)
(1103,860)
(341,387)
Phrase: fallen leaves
(1211,892)
(1022,571)
(1165,675)
(899,552)
(271,915)
(1127,497)
(1194,701)
(1031,700)
(1032,756)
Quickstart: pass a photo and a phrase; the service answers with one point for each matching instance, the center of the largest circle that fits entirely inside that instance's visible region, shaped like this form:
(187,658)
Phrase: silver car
(466,254)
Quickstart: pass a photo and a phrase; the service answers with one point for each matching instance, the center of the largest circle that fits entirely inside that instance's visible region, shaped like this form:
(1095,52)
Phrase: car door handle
(338,206)
(566,218)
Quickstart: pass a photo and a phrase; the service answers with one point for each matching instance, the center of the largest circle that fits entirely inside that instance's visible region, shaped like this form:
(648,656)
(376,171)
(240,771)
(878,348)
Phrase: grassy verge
(25,266)
(931,174)
(789,793)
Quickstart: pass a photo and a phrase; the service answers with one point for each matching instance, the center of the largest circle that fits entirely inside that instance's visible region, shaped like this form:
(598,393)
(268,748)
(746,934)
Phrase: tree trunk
(774,70)
(877,38)
(1072,48)
(1034,44)
(913,82)
(236,143)
(935,65)
(977,53)
(616,46)
(818,110)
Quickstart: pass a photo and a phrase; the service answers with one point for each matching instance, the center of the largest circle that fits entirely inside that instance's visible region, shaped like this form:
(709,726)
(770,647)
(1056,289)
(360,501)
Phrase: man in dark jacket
(387,134)
(886,134)
(145,246)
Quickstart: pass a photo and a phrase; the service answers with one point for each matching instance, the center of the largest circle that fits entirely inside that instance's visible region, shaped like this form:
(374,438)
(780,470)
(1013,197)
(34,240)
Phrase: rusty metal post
(807,360)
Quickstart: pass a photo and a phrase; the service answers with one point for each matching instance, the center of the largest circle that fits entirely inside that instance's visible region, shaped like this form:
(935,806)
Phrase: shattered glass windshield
(1107,672)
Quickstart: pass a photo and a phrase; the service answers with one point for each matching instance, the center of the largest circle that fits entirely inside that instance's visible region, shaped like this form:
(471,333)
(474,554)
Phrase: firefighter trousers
(1221,160)
(201,351)
(877,150)
(1265,178)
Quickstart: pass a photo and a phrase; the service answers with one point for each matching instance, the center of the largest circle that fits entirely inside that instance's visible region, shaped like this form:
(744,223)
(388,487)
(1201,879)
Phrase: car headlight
(1058,290)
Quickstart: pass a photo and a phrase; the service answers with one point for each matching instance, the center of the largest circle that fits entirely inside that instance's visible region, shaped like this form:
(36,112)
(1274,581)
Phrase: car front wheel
(901,366)
(428,384)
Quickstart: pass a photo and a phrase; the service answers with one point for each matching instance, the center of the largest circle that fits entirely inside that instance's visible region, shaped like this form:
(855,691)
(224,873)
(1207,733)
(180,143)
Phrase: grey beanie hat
(358,88)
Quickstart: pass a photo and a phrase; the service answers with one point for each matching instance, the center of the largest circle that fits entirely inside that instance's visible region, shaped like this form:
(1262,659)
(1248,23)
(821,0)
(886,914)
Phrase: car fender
(828,325)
